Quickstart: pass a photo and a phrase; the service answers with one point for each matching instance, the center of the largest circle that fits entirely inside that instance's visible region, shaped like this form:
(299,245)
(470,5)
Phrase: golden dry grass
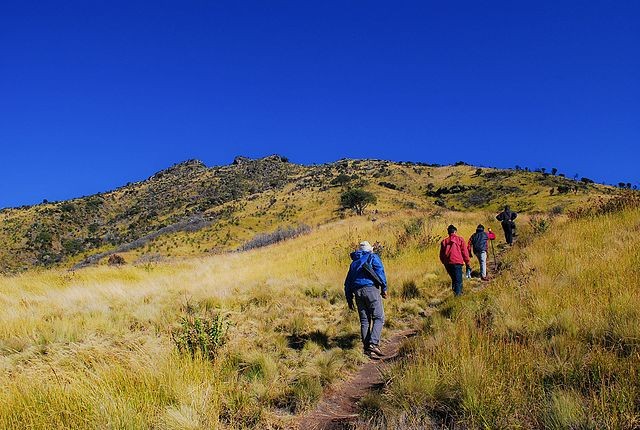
(93,348)
(552,343)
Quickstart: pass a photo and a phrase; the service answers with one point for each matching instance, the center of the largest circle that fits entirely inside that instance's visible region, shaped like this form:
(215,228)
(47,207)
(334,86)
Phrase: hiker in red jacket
(454,253)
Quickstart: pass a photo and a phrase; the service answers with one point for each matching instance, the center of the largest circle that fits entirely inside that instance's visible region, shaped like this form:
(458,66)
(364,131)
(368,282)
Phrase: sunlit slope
(552,343)
(314,200)
(93,348)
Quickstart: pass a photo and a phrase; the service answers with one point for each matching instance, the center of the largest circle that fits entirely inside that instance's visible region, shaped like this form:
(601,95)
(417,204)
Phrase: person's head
(507,208)
(365,246)
(451,229)
(480,227)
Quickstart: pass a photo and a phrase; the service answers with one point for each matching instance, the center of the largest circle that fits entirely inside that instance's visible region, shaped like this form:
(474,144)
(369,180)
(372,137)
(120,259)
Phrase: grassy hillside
(554,342)
(97,348)
(191,209)
(251,339)
(185,196)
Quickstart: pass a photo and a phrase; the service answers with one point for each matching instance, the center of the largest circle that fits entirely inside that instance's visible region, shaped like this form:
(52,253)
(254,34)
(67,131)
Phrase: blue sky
(94,94)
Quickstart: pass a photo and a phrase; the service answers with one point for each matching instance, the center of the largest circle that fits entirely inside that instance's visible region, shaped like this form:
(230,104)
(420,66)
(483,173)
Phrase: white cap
(366,246)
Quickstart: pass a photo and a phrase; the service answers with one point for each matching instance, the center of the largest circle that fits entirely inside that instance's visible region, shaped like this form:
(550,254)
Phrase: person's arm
(348,294)
(377,266)
(514,215)
(465,252)
(499,217)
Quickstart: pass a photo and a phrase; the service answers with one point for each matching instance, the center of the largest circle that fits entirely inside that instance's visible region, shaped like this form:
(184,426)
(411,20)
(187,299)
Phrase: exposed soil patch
(339,407)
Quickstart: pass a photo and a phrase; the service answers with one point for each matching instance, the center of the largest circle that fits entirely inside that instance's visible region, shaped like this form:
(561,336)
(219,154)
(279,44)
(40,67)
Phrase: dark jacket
(479,242)
(505,217)
(357,277)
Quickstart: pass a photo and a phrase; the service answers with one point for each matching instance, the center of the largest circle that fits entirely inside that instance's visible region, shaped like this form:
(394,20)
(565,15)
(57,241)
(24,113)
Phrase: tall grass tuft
(201,335)
(409,290)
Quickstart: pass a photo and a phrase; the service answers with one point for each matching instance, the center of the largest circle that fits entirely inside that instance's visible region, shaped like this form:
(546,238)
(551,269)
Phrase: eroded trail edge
(339,405)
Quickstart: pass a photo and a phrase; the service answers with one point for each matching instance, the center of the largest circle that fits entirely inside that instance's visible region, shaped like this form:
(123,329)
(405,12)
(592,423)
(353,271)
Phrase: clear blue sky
(94,94)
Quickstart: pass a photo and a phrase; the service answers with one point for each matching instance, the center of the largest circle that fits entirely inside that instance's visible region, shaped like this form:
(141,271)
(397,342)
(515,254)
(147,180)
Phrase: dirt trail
(338,409)
(339,406)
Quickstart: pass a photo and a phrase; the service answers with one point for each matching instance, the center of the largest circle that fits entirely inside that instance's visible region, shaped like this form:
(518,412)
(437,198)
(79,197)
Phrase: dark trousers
(508,232)
(455,271)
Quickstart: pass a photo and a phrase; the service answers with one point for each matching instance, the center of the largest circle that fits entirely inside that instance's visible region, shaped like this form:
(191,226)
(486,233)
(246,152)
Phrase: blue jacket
(357,277)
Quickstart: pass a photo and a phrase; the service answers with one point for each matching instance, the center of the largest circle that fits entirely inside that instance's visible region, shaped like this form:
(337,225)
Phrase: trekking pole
(492,236)
(493,250)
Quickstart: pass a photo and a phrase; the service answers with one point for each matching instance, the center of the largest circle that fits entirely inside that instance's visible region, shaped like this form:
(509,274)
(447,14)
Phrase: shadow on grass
(320,338)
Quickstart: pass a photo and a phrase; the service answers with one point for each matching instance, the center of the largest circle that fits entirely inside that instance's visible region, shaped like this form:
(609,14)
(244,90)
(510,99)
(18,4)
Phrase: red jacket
(453,250)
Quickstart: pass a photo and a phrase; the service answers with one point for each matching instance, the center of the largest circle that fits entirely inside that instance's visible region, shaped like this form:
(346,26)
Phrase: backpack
(371,274)
(477,242)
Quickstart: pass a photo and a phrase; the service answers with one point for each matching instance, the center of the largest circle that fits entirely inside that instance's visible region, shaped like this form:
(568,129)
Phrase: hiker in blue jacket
(368,296)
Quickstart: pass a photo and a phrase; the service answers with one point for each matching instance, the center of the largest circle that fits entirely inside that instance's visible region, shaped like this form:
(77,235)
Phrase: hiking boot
(485,278)
(370,354)
(375,350)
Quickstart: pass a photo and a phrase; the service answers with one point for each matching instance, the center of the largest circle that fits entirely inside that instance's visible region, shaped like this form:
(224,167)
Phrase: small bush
(116,260)
(556,210)
(480,197)
(565,411)
(341,180)
(305,392)
(389,185)
(201,335)
(409,291)
(416,233)
(539,224)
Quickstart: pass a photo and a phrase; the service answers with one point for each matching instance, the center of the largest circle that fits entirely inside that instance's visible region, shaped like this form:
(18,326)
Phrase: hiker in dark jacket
(507,218)
(453,253)
(479,245)
(368,296)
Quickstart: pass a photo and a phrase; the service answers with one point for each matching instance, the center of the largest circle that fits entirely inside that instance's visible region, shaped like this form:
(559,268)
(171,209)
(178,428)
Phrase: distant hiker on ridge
(507,218)
(453,253)
(479,245)
(367,281)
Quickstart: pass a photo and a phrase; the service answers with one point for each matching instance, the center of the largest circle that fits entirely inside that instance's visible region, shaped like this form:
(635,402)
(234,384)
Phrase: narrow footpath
(338,408)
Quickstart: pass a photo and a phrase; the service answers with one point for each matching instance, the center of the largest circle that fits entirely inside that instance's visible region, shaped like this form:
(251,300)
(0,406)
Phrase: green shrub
(201,336)
(539,224)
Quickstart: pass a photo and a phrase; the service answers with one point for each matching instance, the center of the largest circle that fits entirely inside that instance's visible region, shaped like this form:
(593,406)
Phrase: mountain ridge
(250,196)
